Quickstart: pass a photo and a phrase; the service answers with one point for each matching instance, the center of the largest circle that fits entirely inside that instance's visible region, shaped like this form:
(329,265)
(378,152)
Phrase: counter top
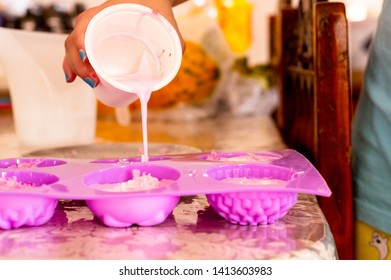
(194,230)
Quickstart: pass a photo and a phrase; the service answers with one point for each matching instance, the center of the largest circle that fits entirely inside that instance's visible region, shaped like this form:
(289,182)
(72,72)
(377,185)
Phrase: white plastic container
(47,111)
(130,45)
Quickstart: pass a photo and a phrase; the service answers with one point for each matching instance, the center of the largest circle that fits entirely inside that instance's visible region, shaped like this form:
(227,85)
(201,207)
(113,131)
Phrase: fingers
(76,62)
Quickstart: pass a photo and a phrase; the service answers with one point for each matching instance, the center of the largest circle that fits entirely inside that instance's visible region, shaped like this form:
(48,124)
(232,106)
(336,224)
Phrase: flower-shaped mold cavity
(18,208)
(29,162)
(253,207)
(261,157)
(127,210)
(129,160)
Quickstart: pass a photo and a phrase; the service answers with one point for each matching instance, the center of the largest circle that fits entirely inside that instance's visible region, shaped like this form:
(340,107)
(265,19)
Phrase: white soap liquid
(134,62)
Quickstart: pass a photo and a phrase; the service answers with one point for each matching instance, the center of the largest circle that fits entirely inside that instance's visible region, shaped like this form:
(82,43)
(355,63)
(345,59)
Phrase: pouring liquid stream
(144,98)
(134,61)
(142,79)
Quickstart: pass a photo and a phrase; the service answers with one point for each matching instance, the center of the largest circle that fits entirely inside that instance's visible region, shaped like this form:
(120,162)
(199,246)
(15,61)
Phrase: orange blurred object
(193,85)
(234,17)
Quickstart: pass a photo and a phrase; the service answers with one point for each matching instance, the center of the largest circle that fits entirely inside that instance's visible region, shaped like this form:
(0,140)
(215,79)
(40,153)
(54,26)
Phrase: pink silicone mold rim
(260,157)
(15,163)
(129,160)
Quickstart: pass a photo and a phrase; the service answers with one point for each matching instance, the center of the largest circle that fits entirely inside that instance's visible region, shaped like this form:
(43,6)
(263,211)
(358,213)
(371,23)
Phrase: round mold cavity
(252,208)
(127,211)
(20,163)
(261,157)
(20,179)
(120,174)
(19,209)
(129,160)
(124,211)
(255,207)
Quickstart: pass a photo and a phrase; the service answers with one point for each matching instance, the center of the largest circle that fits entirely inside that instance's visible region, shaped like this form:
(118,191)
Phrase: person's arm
(75,61)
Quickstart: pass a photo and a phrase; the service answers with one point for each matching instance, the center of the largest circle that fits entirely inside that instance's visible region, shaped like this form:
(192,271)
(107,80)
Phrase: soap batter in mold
(12,183)
(139,182)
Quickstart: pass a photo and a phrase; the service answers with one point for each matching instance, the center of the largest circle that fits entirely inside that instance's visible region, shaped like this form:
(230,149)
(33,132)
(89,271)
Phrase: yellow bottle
(234,17)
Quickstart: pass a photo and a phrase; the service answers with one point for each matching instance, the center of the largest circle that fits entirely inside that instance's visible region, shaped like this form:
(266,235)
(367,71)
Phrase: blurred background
(226,65)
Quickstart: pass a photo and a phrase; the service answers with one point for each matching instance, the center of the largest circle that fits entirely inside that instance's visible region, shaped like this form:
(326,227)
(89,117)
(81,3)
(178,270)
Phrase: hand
(76,62)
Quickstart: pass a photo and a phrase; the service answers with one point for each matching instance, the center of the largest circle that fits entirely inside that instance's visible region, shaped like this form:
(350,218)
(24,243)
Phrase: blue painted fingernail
(90,82)
(82,55)
(66,77)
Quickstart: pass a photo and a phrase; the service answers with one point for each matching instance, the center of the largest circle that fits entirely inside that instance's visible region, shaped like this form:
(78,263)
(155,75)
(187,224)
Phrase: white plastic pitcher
(47,111)
(128,45)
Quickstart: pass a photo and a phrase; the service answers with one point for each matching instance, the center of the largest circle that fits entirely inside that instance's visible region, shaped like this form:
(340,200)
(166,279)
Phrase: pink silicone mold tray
(246,188)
